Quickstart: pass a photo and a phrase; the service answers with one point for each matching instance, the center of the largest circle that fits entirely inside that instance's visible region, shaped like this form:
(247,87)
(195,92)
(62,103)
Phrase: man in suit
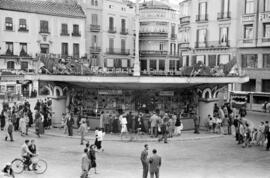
(144,161)
(70,123)
(155,163)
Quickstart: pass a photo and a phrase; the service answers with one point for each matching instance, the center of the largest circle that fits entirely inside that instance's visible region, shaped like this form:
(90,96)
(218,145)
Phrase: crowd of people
(153,124)
(19,118)
(229,121)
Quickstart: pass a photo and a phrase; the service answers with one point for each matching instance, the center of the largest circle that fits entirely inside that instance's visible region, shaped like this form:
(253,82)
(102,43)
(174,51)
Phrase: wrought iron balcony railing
(154,34)
(202,18)
(118,51)
(153,53)
(266,39)
(124,31)
(94,28)
(212,44)
(112,30)
(185,20)
(224,16)
(184,44)
(173,36)
(248,40)
(78,34)
(94,49)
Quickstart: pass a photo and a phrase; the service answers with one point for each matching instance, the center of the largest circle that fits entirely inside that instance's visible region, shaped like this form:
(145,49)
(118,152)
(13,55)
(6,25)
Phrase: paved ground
(188,158)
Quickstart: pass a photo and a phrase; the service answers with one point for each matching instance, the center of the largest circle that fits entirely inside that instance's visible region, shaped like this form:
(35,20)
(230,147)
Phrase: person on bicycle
(26,154)
(33,149)
(8,171)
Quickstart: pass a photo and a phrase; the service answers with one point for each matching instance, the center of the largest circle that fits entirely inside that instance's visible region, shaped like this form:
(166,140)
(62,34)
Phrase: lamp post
(137,28)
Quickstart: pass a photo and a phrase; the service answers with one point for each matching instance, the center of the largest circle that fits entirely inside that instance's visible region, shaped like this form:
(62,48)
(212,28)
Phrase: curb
(136,140)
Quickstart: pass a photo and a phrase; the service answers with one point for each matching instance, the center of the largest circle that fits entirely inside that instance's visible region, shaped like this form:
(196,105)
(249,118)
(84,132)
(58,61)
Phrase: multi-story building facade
(208,31)
(117,35)
(32,27)
(158,38)
(93,30)
(254,44)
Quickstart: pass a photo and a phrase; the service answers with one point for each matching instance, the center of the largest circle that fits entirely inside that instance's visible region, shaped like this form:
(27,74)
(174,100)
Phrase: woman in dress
(22,125)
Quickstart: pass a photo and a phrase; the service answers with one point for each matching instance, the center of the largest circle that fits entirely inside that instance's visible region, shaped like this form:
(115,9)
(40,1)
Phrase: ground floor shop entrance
(90,103)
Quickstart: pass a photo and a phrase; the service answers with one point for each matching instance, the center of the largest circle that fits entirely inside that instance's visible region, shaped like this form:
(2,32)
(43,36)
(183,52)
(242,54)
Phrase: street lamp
(137,28)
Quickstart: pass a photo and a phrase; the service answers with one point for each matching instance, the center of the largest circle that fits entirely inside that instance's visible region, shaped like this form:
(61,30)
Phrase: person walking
(70,123)
(144,161)
(153,124)
(101,119)
(92,155)
(164,128)
(38,123)
(85,164)
(9,129)
(178,125)
(123,122)
(83,130)
(196,121)
(22,126)
(260,136)
(154,164)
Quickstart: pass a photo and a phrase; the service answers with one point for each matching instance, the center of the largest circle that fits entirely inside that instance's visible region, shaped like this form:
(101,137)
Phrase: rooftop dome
(155,5)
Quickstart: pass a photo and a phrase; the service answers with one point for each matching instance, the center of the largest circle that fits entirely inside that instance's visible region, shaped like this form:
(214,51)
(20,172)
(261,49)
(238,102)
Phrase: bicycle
(18,165)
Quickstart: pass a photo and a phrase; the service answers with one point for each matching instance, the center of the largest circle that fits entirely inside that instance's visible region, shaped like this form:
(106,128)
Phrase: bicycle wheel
(17,166)
(41,166)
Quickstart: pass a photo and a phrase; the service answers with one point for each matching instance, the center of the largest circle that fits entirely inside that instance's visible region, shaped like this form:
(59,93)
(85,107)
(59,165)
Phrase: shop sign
(110,92)
(166,93)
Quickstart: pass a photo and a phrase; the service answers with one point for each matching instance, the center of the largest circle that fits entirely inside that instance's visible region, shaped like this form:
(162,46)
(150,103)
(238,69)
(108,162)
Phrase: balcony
(118,51)
(154,35)
(124,31)
(112,30)
(175,55)
(23,30)
(94,49)
(224,16)
(8,53)
(212,44)
(173,36)
(184,44)
(76,34)
(248,40)
(153,53)
(64,34)
(184,20)
(266,39)
(248,17)
(44,31)
(94,28)
(265,17)
(202,18)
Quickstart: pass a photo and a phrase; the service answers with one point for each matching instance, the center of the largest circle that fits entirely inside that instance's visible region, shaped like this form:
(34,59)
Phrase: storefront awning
(131,82)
